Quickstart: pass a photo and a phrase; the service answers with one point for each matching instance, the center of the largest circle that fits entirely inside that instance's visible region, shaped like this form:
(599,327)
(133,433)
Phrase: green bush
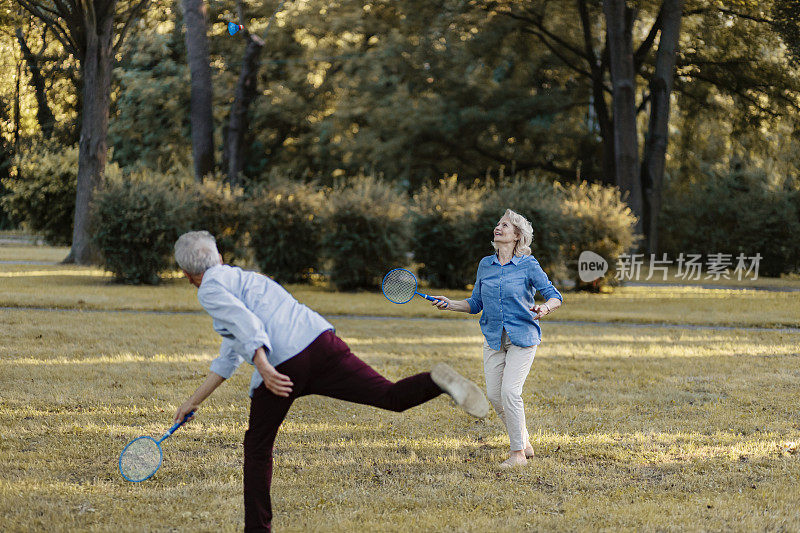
(136,223)
(596,219)
(566,220)
(222,210)
(366,232)
(42,199)
(439,240)
(734,213)
(136,220)
(286,230)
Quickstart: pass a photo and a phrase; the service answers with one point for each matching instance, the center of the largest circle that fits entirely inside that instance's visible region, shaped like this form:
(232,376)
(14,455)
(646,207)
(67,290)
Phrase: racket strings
(140,459)
(399,286)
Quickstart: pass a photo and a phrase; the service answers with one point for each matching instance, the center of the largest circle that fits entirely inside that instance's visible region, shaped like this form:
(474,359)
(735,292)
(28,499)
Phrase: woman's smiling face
(505,231)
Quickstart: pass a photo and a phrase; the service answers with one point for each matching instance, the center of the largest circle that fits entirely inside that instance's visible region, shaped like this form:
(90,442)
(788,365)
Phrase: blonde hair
(524,231)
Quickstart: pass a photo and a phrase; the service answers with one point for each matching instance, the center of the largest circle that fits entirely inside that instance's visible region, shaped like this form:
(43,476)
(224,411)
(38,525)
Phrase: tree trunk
(607,136)
(598,100)
(619,24)
(233,155)
(96,67)
(43,113)
(200,70)
(6,157)
(17,118)
(655,147)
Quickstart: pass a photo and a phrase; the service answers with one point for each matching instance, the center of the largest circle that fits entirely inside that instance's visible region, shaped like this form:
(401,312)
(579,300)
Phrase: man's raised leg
(342,375)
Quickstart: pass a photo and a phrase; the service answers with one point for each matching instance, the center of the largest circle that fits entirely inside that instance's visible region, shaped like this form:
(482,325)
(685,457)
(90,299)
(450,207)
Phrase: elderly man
(295,352)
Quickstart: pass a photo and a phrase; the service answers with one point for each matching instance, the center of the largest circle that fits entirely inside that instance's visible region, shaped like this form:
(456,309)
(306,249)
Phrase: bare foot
(517,459)
(529,451)
(512,462)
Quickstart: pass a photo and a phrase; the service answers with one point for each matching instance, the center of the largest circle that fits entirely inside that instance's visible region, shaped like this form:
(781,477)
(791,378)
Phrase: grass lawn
(654,428)
(67,286)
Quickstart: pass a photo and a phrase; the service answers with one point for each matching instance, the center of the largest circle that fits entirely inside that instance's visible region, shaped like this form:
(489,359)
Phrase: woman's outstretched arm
(446,304)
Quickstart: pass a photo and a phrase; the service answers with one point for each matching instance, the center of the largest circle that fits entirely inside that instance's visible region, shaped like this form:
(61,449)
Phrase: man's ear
(192,279)
(220,259)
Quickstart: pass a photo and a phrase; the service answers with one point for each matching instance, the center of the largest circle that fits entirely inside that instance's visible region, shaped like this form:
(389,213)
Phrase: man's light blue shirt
(505,295)
(250,311)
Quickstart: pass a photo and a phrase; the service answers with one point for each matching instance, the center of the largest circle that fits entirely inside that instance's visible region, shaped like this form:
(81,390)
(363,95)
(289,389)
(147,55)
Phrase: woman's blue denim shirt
(505,295)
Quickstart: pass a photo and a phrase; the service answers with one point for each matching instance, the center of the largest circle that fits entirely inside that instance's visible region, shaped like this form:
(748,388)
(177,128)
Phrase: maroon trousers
(326,367)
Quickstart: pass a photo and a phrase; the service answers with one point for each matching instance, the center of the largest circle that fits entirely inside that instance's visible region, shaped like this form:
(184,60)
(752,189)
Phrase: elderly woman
(295,352)
(504,290)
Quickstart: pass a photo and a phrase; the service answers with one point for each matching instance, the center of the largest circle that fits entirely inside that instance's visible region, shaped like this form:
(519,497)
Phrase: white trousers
(506,370)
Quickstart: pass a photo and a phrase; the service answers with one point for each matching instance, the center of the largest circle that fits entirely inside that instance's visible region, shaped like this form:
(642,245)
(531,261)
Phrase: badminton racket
(142,456)
(400,286)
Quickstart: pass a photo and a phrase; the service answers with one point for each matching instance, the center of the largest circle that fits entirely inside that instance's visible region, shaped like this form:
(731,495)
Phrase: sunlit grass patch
(65,286)
(688,278)
(71,286)
(45,254)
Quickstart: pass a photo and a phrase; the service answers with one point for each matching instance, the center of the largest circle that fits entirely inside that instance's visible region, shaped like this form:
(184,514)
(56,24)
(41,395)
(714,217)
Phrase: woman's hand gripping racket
(141,457)
(400,286)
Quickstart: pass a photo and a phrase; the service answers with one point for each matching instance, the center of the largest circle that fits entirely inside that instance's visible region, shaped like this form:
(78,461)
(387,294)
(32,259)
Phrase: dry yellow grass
(65,286)
(634,428)
(52,254)
(787,280)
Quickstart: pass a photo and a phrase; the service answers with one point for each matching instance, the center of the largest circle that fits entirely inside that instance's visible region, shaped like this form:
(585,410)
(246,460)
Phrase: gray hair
(196,252)
(523,229)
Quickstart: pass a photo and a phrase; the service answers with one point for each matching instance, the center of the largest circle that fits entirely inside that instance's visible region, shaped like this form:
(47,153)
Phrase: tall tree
(619,27)
(728,51)
(17,109)
(202,118)
(87,30)
(5,150)
(655,148)
(233,154)
(6,159)
(44,115)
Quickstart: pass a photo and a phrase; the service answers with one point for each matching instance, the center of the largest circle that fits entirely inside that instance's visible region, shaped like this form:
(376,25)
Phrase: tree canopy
(414,90)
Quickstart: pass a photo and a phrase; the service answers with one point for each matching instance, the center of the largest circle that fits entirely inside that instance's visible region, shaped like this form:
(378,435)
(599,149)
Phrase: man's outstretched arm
(213,381)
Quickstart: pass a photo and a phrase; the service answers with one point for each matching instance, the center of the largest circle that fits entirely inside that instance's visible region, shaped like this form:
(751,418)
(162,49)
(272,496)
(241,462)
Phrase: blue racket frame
(158,442)
(416,293)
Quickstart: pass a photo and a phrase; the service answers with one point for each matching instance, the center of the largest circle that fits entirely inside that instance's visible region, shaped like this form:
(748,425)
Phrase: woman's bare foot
(528,448)
(528,451)
(517,459)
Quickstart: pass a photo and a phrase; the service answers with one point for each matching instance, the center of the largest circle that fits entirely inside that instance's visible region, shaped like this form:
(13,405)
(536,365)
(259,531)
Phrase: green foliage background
(285,224)
(136,224)
(41,198)
(367,232)
(416,92)
(354,232)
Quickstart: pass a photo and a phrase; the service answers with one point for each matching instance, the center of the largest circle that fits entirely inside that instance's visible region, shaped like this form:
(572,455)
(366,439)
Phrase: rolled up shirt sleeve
(541,282)
(475,301)
(231,315)
(228,360)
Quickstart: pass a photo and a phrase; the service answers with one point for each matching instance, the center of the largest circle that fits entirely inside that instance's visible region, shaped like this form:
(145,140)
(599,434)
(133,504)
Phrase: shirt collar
(515,259)
(206,273)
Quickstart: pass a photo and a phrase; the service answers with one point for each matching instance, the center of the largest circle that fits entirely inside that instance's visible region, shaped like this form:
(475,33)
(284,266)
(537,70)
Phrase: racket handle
(175,426)
(430,298)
